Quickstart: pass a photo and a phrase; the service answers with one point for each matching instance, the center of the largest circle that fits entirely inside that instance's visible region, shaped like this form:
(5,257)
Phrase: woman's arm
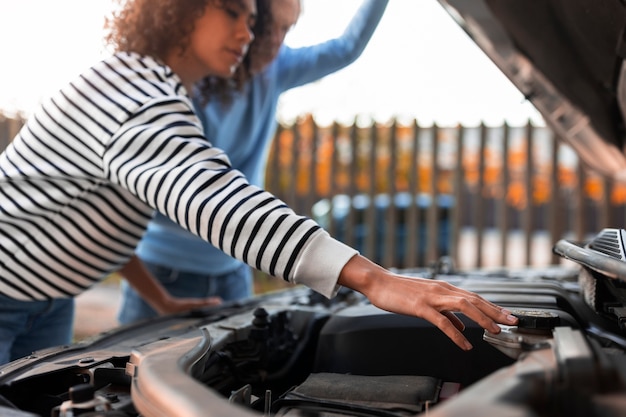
(161,157)
(151,290)
(298,66)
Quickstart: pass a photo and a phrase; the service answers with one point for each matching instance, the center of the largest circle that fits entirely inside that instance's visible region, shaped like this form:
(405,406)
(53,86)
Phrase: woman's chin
(225,72)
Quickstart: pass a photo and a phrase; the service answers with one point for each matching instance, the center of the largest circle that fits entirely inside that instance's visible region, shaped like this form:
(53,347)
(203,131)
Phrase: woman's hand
(151,290)
(171,304)
(433,300)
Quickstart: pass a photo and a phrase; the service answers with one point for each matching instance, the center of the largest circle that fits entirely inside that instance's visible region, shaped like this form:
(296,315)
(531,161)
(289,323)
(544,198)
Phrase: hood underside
(566,57)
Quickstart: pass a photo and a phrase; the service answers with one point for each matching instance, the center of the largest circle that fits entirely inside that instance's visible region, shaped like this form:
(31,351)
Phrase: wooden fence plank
(529,187)
(579,206)
(412,213)
(391,215)
(479,201)
(555,213)
(503,207)
(432,211)
(459,195)
(370,210)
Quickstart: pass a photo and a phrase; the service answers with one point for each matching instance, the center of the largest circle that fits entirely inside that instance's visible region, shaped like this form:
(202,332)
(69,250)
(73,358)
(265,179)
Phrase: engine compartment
(294,353)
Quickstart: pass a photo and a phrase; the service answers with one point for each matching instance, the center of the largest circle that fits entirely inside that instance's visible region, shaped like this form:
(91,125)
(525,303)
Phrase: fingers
(213,301)
(433,300)
(451,326)
(486,314)
(444,299)
(481,311)
(454,320)
(193,303)
(205,302)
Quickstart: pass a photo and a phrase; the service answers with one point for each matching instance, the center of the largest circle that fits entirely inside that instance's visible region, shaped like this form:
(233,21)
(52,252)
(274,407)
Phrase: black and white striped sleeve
(160,156)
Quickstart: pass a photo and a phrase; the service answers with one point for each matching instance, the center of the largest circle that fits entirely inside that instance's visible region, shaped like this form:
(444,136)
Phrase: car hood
(567,58)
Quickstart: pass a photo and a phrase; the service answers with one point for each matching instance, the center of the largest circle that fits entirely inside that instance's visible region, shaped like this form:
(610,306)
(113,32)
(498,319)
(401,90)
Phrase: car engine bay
(295,353)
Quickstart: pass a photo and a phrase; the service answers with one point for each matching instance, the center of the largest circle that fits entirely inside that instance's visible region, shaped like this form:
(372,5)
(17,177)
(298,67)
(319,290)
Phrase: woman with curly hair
(83,177)
(79,222)
(243,123)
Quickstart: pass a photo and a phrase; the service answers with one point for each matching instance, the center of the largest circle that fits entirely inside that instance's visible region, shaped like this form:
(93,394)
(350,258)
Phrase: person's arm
(298,66)
(151,290)
(194,185)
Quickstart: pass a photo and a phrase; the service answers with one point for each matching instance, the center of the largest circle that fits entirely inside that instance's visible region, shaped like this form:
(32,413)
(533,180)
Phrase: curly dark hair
(157,27)
(153,28)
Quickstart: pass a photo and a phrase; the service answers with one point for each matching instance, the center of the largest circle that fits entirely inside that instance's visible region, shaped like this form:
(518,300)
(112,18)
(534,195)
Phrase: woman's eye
(232,13)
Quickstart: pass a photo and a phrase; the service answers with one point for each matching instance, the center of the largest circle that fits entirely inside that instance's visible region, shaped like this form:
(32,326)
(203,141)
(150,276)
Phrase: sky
(418,65)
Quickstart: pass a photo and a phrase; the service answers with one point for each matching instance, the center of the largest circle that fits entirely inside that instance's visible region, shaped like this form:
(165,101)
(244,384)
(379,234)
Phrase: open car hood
(567,58)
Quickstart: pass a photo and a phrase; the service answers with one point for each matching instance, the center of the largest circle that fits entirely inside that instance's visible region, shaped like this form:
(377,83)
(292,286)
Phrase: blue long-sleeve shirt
(245,127)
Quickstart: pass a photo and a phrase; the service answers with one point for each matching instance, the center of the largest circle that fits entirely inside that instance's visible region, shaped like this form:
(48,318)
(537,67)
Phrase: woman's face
(219,41)
(285,14)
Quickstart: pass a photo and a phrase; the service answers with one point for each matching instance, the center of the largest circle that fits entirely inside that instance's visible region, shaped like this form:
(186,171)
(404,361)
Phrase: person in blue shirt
(243,126)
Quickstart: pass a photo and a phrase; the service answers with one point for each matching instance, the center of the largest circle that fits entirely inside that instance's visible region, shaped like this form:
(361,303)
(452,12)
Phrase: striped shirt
(81,180)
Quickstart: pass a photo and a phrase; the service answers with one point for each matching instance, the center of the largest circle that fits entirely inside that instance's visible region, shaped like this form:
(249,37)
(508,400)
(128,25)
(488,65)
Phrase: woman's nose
(245,33)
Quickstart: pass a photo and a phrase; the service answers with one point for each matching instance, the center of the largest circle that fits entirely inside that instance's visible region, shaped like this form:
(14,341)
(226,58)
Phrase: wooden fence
(503,195)
(409,196)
